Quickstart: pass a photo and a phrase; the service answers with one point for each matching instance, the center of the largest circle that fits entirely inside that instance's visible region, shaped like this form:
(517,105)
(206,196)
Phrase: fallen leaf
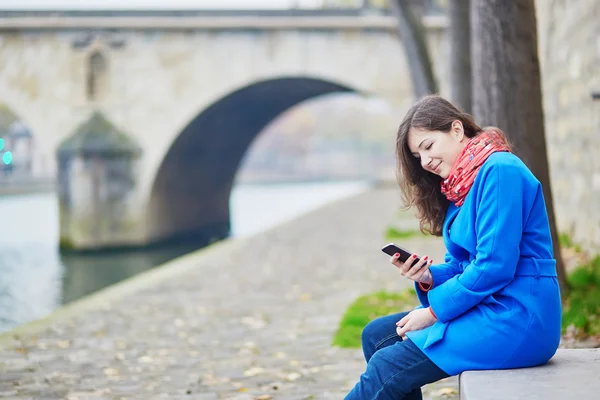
(110,372)
(305,297)
(22,350)
(293,376)
(254,323)
(253,371)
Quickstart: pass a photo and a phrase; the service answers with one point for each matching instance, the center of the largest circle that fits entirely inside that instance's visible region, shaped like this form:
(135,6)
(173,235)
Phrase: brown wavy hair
(419,187)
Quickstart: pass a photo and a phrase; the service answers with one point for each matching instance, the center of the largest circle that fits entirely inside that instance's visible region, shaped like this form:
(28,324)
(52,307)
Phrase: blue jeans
(396,368)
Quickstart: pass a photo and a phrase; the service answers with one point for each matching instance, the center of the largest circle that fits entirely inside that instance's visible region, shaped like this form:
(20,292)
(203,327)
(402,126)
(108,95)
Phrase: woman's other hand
(415,321)
(416,271)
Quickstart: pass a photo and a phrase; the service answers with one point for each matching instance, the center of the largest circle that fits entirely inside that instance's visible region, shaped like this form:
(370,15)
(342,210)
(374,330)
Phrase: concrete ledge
(570,374)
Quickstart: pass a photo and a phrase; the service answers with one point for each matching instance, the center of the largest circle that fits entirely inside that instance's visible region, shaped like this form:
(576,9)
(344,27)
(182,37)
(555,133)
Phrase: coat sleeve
(440,273)
(498,228)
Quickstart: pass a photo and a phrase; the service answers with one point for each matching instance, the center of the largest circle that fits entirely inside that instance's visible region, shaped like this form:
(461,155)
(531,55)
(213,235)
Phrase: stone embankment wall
(569,49)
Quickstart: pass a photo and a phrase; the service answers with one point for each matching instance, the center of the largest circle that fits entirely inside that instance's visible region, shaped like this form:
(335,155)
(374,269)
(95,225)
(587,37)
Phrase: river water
(35,278)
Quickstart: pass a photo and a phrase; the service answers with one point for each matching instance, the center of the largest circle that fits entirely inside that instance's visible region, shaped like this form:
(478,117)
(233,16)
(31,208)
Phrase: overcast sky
(152,4)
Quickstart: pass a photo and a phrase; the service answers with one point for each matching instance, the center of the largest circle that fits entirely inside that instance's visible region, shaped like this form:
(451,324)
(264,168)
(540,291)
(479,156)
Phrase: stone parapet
(384,22)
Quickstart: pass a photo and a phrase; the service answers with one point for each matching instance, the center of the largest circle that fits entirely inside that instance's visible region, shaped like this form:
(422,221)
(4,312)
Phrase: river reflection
(84,274)
(35,278)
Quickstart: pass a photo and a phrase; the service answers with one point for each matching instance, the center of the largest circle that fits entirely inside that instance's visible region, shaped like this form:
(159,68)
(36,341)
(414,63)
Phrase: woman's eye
(428,147)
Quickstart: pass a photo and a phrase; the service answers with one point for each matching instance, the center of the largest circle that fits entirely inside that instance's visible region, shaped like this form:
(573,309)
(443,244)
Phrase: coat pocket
(436,333)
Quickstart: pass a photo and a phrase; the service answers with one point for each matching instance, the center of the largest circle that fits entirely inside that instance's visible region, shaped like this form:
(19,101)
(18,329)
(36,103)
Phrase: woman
(494,303)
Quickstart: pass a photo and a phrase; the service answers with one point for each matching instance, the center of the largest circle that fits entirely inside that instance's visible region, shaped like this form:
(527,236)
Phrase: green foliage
(392,233)
(582,307)
(367,308)
(566,241)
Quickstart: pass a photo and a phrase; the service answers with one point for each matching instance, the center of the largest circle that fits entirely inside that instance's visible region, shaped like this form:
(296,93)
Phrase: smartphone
(392,249)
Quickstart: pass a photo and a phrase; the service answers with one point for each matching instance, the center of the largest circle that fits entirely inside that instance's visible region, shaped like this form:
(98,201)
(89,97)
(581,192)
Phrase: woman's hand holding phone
(413,268)
(410,266)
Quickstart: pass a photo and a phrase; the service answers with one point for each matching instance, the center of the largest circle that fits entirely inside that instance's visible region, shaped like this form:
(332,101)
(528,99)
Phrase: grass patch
(368,307)
(392,233)
(581,308)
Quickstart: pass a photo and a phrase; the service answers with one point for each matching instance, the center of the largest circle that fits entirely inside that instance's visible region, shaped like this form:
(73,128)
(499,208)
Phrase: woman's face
(437,150)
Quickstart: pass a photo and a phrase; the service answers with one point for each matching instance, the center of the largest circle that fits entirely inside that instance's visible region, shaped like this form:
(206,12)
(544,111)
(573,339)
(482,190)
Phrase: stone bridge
(184,95)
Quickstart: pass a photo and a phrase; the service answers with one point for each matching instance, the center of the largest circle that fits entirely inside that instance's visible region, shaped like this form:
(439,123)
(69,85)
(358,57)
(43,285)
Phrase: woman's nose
(425,161)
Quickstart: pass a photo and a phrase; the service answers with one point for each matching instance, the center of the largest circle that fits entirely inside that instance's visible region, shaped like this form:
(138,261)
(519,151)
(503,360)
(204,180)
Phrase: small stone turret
(96,181)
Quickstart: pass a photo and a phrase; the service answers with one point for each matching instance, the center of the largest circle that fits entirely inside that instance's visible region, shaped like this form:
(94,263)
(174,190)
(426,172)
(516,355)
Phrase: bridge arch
(190,193)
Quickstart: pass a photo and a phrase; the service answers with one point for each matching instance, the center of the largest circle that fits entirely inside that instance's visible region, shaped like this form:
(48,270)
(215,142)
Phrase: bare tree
(506,87)
(412,34)
(459,13)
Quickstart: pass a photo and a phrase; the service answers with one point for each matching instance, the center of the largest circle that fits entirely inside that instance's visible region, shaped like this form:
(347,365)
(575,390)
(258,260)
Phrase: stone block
(570,374)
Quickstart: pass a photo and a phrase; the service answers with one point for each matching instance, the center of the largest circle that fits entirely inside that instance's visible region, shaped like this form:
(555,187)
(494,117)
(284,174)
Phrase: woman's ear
(457,130)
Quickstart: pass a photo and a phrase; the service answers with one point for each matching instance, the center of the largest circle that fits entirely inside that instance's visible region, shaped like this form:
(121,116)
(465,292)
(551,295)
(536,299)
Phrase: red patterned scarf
(468,163)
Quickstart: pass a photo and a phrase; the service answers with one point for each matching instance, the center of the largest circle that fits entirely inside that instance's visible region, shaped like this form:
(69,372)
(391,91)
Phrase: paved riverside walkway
(247,318)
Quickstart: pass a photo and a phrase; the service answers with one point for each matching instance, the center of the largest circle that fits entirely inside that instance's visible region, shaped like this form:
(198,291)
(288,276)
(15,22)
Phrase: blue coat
(496,296)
